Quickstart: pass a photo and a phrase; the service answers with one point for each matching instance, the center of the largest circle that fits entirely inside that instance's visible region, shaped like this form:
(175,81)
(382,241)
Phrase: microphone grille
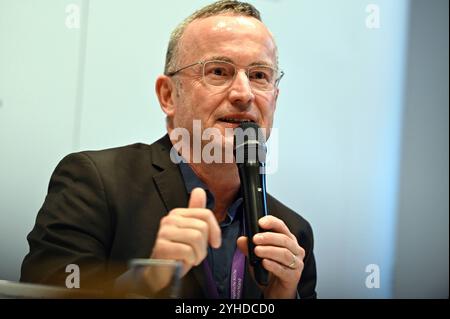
(249,143)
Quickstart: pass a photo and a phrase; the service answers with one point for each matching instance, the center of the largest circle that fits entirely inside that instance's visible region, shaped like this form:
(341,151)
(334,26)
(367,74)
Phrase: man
(104,208)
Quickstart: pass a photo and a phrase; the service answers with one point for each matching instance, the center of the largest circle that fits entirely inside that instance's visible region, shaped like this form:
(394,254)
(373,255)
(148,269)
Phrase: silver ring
(292,264)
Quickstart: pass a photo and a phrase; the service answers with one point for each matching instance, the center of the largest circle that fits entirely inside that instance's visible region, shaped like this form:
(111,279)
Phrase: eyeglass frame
(202,63)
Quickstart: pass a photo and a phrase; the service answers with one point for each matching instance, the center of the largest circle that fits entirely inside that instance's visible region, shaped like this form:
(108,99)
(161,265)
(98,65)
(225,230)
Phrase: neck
(222,181)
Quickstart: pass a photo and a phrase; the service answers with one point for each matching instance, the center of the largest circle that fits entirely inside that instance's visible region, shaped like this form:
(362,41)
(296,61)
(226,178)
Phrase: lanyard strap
(237,272)
(236,278)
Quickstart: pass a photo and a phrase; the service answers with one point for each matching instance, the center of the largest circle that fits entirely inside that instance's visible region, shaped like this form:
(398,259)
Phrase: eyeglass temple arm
(183,68)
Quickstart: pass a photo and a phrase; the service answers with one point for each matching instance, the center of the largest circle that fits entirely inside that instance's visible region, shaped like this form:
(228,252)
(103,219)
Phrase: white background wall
(340,117)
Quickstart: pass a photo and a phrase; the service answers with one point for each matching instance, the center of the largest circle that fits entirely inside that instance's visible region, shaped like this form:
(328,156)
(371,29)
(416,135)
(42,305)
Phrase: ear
(165,88)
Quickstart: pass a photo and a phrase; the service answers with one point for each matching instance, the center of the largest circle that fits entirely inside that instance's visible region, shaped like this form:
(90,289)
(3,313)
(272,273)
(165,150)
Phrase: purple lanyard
(237,276)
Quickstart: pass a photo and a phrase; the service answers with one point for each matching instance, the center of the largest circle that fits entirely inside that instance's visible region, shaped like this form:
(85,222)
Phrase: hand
(281,256)
(184,235)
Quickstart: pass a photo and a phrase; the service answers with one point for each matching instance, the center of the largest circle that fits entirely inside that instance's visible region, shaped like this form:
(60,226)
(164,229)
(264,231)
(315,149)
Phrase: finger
(186,223)
(191,237)
(198,198)
(280,255)
(242,244)
(279,240)
(270,222)
(214,232)
(282,272)
(165,249)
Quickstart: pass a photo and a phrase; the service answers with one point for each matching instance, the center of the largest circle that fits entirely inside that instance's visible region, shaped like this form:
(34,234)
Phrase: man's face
(244,41)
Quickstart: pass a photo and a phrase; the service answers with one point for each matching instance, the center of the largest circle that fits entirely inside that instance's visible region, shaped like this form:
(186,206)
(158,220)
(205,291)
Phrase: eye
(219,71)
(261,74)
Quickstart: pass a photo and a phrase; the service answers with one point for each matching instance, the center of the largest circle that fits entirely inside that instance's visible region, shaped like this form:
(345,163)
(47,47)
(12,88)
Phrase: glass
(155,278)
(222,73)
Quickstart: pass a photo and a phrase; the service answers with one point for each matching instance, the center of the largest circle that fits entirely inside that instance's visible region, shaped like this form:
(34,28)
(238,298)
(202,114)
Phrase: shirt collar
(192,181)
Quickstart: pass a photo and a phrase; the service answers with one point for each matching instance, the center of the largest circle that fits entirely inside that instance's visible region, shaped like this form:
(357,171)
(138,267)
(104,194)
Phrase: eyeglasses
(222,73)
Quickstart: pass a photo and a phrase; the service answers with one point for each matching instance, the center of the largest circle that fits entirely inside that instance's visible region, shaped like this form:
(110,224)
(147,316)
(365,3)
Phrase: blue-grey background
(362,119)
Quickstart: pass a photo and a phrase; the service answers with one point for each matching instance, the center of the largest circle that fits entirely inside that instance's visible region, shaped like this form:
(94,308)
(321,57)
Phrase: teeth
(230,120)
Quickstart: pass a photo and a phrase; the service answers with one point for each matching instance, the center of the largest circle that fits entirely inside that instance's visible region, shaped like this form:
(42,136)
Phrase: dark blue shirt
(220,259)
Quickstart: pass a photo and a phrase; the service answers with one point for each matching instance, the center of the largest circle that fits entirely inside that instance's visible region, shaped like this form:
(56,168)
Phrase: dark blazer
(103,208)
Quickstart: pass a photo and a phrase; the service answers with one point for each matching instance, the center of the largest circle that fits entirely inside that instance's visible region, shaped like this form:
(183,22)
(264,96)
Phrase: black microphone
(250,155)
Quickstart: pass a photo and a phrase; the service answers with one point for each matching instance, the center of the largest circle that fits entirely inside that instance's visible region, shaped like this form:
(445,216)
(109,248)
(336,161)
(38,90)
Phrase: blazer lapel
(171,188)
(173,193)
(169,181)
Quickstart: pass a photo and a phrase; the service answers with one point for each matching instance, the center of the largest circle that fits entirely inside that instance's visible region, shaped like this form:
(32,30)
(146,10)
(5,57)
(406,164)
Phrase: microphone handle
(253,186)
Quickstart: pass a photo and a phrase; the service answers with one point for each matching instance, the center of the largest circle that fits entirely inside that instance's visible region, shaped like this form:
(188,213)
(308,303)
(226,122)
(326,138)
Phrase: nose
(241,93)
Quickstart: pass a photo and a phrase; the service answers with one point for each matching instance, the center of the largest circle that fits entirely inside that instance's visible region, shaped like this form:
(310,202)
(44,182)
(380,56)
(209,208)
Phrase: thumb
(198,198)
(243,245)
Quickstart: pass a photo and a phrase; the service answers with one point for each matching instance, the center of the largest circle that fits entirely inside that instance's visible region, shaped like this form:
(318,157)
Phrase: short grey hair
(216,8)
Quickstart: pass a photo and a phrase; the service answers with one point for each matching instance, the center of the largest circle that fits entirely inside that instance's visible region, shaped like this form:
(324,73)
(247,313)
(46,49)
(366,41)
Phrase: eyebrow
(227,59)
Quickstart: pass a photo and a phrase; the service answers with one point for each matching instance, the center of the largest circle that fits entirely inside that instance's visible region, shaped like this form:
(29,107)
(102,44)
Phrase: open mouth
(234,120)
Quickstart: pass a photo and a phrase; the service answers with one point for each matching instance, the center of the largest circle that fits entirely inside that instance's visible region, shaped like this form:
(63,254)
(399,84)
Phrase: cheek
(191,107)
(191,99)
(182,116)
(205,103)
(183,108)
(266,105)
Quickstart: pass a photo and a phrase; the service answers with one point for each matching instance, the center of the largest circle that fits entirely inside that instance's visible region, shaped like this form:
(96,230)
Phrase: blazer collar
(170,184)
(169,180)
(161,153)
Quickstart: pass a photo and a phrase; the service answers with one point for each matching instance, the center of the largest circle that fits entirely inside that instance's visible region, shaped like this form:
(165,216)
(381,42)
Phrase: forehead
(243,40)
